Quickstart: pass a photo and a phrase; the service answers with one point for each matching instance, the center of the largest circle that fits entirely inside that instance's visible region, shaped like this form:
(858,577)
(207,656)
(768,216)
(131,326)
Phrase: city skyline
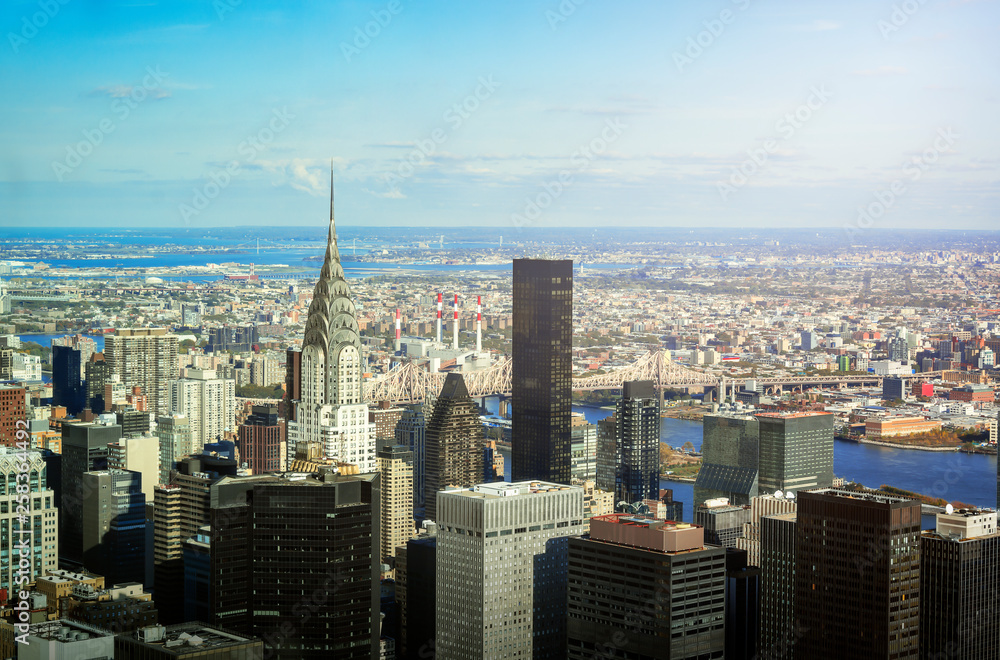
(537,115)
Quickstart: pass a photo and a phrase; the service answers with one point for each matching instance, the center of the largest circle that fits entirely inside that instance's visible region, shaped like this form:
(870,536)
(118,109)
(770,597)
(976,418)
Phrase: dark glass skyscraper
(637,439)
(294,561)
(857,575)
(114,525)
(542,368)
(454,442)
(84,449)
(67,389)
(729,459)
(796,451)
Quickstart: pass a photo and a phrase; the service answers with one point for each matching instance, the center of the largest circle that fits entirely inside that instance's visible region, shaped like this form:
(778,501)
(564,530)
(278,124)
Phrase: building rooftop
(182,637)
(508,489)
(786,415)
(64,630)
(864,495)
(647,533)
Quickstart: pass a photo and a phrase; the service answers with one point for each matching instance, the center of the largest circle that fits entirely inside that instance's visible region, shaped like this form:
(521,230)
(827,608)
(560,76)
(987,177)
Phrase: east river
(955,476)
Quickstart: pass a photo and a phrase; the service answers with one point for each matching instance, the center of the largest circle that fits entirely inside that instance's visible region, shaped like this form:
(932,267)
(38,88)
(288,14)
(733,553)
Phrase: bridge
(406,383)
(41,297)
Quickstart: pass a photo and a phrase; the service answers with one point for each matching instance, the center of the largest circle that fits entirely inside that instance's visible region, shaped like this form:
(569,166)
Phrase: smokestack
(455,333)
(479,324)
(398,328)
(439,318)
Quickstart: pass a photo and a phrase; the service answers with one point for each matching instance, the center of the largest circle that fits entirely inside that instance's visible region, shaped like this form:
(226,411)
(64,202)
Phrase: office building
(541,389)
(97,375)
(84,449)
(742,606)
(454,443)
(606,465)
(778,629)
(796,451)
(181,508)
(114,525)
(192,640)
(637,439)
(138,454)
(261,441)
(133,422)
(197,557)
(857,574)
(730,455)
(501,569)
(174,432)
(43,540)
(411,432)
(395,465)
(279,541)
(13,409)
(893,388)
(809,340)
(645,588)
(209,402)
(331,409)
(147,358)
(67,387)
(583,450)
(232,338)
(121,608)
(416,576)
(760,506)
(960,586)
(722,521)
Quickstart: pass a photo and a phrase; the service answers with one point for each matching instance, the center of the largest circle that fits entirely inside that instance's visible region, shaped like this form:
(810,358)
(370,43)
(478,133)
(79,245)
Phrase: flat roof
(182,637)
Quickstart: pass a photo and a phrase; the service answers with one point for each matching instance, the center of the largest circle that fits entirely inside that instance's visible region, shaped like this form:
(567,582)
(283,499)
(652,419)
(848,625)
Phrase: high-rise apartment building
(261,440)
(395,465)
(607,453)
(332,409)
(114,525)
(857,575)
(645,588)
(13,410)
(42,521)
(144,357)
(209,402)
(730,456)
(174,432)
(796,451)
(637,438)
(67,387)
(960,586)
(281,541)
(501,569)
(454,443)
(541,388)
(84,449)
(411,432)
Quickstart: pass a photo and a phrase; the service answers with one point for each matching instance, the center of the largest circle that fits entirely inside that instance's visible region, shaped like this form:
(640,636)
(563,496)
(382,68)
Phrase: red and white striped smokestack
(398,345)
(439,318)
(455,333)
(479,324)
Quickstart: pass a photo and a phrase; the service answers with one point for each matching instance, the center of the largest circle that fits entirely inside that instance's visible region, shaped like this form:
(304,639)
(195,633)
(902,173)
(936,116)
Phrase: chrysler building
(331,409)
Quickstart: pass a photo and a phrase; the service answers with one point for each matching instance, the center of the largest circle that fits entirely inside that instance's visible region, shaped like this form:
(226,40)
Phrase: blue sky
(580,113)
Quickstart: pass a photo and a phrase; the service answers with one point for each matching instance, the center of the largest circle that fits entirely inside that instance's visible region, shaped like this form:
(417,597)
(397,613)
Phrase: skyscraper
(796,451)
(98,372)
(637,438)
(857,575)
(174,432)
(144,357)
(778,632)
(584,450)
(281,544)
(454,443)
(261,440)
(396,471)
(84,449)
(114,525)
(67,389)
(331,409)
(960,586)
(645,588)
(501,569)
(541,371)
(209,402)
(729,459)
(411,432)
(43,521)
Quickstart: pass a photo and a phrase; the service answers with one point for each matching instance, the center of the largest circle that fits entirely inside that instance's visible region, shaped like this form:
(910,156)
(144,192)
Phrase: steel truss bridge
(406,383)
